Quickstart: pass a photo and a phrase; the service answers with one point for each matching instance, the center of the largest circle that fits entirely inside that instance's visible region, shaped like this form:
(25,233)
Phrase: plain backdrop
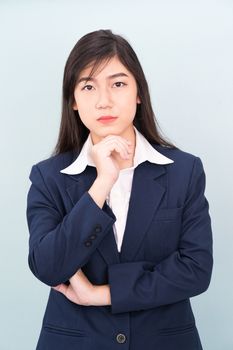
(185,48)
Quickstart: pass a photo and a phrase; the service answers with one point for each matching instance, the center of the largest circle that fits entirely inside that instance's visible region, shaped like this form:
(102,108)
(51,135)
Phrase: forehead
(105,67)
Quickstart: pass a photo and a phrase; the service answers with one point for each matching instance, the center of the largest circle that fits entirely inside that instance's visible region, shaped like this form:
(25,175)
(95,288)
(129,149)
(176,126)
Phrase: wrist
(104,183)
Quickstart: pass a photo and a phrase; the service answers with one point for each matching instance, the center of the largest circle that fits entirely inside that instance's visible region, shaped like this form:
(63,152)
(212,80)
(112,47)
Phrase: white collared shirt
(118,198)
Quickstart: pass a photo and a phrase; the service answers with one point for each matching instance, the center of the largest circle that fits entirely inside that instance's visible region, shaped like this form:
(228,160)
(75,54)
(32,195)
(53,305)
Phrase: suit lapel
(146,195)
(78,184)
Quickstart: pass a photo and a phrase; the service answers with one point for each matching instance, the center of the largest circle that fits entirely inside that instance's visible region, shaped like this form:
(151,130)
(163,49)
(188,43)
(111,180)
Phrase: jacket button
(88,243)
(93,236)
(121,338)
(98,228)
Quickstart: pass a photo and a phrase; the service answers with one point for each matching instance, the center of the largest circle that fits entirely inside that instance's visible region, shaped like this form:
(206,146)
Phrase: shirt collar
(143,151)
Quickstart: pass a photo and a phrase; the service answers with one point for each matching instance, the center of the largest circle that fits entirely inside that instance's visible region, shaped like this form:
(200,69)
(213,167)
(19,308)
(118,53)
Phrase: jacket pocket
(177,330)
(64,331)
(168,214)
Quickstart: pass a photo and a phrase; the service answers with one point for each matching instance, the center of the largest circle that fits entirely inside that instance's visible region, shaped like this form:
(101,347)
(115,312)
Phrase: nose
(104,99)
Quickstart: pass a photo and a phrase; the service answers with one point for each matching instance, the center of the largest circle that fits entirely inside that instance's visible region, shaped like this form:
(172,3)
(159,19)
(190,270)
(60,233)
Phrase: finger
(121,147)
(126,144)
(78,276)
(117,138)
(114,146)
(62,288)
(79,273)
(123,143)
(82,277)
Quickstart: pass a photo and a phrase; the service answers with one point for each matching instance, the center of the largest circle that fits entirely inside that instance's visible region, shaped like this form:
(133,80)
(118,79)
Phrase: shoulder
(56,162)
(184,163)
(179,157)
(50,167)
(176,154)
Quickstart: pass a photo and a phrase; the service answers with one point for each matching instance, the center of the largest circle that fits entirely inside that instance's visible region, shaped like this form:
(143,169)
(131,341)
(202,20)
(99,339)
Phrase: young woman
(119,223)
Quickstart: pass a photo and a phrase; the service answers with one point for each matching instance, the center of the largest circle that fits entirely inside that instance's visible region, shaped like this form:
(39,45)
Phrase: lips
(106,117)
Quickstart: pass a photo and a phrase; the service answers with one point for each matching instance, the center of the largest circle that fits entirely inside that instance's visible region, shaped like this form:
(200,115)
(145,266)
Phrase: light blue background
(185,48)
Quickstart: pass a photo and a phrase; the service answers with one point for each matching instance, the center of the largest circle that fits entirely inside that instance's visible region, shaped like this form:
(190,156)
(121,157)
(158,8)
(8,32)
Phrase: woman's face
(111,91)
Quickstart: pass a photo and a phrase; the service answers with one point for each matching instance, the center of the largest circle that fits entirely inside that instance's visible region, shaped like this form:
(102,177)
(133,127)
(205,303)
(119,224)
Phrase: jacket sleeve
(59,246)
(185,273)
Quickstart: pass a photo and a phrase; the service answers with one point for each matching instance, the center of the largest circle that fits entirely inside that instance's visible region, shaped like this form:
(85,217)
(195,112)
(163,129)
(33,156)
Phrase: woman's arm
(57,245)
(185,273)
(141,285)
(81,291)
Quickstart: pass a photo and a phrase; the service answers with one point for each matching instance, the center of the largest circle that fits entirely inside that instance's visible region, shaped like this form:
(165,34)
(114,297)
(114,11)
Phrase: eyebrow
(109,77)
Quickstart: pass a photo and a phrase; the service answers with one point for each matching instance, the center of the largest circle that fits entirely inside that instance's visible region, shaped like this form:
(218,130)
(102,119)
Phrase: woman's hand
(81,291)
(106,153)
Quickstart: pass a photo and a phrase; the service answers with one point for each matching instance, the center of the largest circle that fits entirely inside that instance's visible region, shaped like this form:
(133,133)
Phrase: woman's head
(110,92)
(93,56)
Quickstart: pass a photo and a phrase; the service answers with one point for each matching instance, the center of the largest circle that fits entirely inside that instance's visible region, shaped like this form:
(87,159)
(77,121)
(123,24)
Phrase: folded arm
(186,272)
(58,246)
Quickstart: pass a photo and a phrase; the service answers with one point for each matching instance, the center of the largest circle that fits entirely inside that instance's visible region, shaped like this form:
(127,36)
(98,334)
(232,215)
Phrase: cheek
(128,104)
(85,106)
(85,115)
(130,110)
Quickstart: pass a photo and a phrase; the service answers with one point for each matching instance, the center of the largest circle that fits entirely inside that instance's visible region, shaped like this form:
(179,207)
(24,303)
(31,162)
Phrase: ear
(75,107)
(138,100)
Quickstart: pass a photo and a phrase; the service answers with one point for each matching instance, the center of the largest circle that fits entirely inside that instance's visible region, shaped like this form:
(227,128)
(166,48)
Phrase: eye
(87,86)
(119,82)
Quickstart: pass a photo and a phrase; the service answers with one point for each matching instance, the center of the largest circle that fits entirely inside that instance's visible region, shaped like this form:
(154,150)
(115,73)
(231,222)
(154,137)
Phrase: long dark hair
(92,49)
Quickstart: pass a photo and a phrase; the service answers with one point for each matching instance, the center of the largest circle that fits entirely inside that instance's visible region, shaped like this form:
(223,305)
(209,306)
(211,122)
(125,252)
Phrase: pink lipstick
(106,119)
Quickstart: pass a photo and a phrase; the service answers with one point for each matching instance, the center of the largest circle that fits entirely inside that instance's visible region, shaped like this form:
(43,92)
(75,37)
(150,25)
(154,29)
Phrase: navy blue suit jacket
(166,255)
